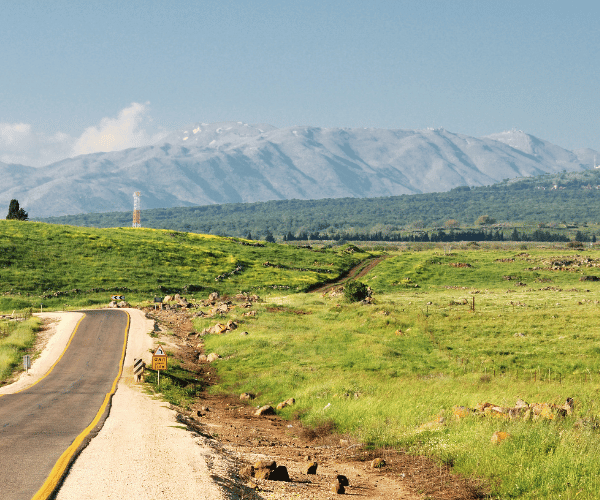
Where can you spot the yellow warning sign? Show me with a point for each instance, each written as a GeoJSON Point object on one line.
{"type": "Point", "coordinates": [159, 359]}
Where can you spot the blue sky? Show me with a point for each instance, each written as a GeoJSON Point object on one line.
{"type": "Point", "coordinates": [70, 70]}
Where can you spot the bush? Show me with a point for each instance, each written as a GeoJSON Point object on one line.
{"type": "Point", "coordinates": [355, 291]}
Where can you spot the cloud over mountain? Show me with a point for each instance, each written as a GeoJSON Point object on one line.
{"type": "Point", "coordinates": [21, 143]}
{"type": "Point", "coordinates": [115, 134]}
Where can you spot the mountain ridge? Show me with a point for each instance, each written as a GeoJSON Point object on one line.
{"type": "Point", "coordinates": [234, 162]}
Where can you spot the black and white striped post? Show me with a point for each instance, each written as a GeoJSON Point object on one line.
{"type": "Point", "coordinates": [138, 369]}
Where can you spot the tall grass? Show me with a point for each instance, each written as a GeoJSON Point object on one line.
{"type": "Point", "coordinates": [16, 338]}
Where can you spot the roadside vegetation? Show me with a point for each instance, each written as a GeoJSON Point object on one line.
{"type": "Point", "coordinates": [447, 328]}
{"type": "Point", "coordinates": [17, 336]}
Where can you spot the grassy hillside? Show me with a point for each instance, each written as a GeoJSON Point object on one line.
{"type": "Point", "coordinates": [554, 200]}
{"type": "Point", "coordinates": [58, 265]}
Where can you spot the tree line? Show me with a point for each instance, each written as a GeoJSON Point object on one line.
{"type": "Point", "coordinates": [559, 199]}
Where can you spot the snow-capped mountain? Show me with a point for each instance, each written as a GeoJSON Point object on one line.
{"type": "Point", "coordinates": [236, 162]}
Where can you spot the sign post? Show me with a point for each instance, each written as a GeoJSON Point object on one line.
{"type": "Point", "coordinates": [26, 363]}
{"type": "Point", "coordinates": [159, 361]}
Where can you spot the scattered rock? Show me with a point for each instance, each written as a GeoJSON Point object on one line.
{"type": "Point", "coordinates": [213, 356]}
{"type": "Point", "coordinates": [265, 464]}
{"type": "Point", "coordinates": [377, 463]}
{"type": "Point", "coordinates": [246, 396]}
{"type": "Point", "coordinates": [311, 468]}
{"type": "Point", "coordinates": [243, 334]}
{"type": "Point", "coordinates": [181, 301]}
{"type": "Point", "coordinates": [337, 487]}
{"type": "Point", "coordinates": [218, 329]}
{"type": "Point", "coordinates": [460, 412]}
{"type": "Point", "coordinates": [524, 411]}
{"type": "Point", "coordinates": [264, 469]}
{"type": "Point", "coordinates": [499, 436]}
{"type": "Point", "coordinates": [287, 402]}
{"type": "Point", "coordinates": [202, 358]}
{"type": "Point", "coordinates": [264, 410]}
{"type": "Point", "coordinates": [268, 469]}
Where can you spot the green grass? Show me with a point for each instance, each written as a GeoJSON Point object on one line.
{"type": "Point", "coordinates": [68, 267]}
{"type": "Point", "coordinates": [177, 386]}
{"type": "Point", "coordinates": [382, 371]}
{"type": "Point", "coordinates": [16, 338]}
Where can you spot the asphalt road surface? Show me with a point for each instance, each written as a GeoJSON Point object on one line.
{"type": "Point", "coordinates": [41, 423]}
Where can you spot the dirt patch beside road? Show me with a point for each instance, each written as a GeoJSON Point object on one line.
{"type": "Point", "coordinates": [232, 427]}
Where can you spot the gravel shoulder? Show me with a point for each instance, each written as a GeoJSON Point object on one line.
{"type": "Point", "coordinates": [141, 452]}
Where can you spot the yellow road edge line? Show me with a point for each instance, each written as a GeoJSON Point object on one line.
{"type": "Point", "coordinates": [63, 462]}
{"type": "Point", "coordinates": [55, 363]}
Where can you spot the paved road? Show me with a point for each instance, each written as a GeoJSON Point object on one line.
{"type": "Point", "coordinates": [39, 424]}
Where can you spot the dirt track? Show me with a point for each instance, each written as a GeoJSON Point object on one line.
{"type": "Point", "coordinates": [356, 272]}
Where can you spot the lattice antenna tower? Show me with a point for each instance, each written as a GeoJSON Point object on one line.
{"type": "Point", "coordinates": [136, 209]}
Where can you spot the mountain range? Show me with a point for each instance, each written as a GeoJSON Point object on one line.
{"type": "Point", "coordinates": [234, 162]}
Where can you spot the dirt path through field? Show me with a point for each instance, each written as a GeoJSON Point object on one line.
{"type": "Point", "coordinates": [356, 272]}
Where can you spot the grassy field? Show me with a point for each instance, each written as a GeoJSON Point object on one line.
{"type": "Point", "coordinates": [387, 372]}
{"type": "Point", "coordinates": [70, 267]}
{"type": "Point", "coordinates": [450, 328]}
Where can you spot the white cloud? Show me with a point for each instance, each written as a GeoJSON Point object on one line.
{"type": "Point", "coordinates": [19, 143]}
{"type": "Point", "coordinates": [115, 134]}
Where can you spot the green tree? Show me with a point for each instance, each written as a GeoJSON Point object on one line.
{"type": "Point", "coordinates": [269, 238]}
{"type": "Point", "coordinates": [15, 212]}
{"type": "Point", "coordinates": [482, 220]}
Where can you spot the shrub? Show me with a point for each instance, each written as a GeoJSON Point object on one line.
{"type": "Point", "coordinates": [355, 291]}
